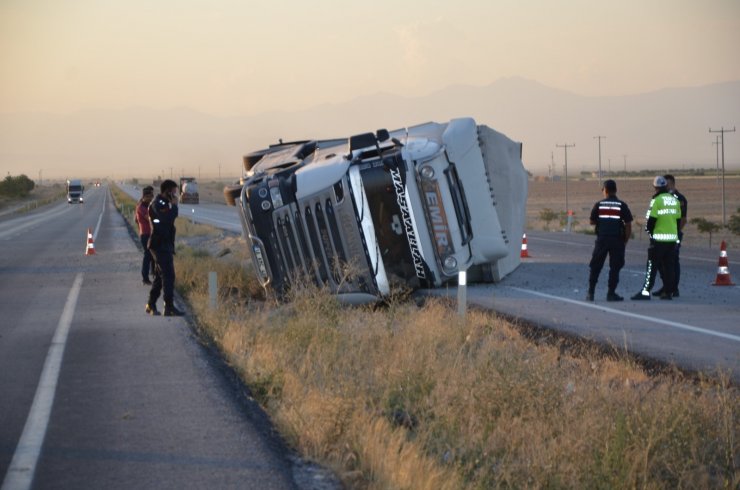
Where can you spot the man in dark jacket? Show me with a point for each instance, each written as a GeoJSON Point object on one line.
{"type": "Point", "coordinates": [162, 213]}
{"type": "Point", "coordinates": [613, 220]}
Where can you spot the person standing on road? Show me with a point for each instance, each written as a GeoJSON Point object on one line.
{"type": "Point", "coordinates": [613, 220]}
{"type": "Point", "coordinates": [162, 212]}
{"type": "Point", "coordinates": [671, 181]}
{"type": "Point", "coordinates": [145, 230]}
{"type": "Point", "coordinates": [662, 217]}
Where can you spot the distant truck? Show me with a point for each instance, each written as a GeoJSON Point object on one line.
{"type": "Point", "coordinates": [74, 191]}
{"type": "Point", "coordinates": [409, 208]}
{"type": "Point", "coordinates": [189, 191]}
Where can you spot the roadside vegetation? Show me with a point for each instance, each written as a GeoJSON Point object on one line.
{"type": "Point", "coordinates": [403, 395]}
{"type": "Point", "coordinates": [19, 194]}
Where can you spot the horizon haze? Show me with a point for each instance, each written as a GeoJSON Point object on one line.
{"type": "Point", "coordinates": [93, 88]}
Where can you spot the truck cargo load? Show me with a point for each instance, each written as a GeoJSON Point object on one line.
{"type": "Point", "coordinates": [407, 208]}
{"type": "Point", "coordinates": [189, 191]}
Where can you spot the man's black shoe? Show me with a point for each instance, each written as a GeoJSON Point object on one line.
{"type": "Point", "coordinates": [589, 296]}
{"type": "Point", "coordinates": [151, 310]}
{"type": "Point", "coordinates": [172, 311]}
{"type": "Point", "coordinates": [614, 297]}
{"type": "Point", "coordinates": [675, 293]}
{"type": "Point", "coordinates": [665, 295]}
{"type": "Point", "coordinates": [146, 282]}
{"type": "Point", "coordinates": [641, 295]}
{"type": "Point", "coordinates": [658, 292]}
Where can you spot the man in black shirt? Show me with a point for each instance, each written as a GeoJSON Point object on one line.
{"type": "Point", "coordinates": [162, 213]}
{"type": "Point", "coordinates": [613, 220]}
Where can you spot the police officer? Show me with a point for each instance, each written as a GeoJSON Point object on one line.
{"type": "Point", "coordinates": [684, 203]}
{"type": "Point", "coordinates": [662, 217]}
{"type": "Point", "coordinates": [613, 220]}
{"type": "Point", "coordinates": [162, 213]}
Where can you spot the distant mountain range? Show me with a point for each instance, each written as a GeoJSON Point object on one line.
{"type": "Point", "coordinates": [668, 128]}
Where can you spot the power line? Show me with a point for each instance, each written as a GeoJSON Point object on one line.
{"type": "Point", "coordinates": [722, 140]}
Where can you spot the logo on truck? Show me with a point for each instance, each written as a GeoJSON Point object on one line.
{"type": "Point", "coordinates": [437, 217]}
{"type": "Point", "coordinates": [408, 223]}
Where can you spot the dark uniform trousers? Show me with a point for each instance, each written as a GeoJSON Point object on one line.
{"type": "Point", "coordinates": [164, 278]}
{"type": "Point", "coordinates": [661, 257]}
{"type": "Point", "coordinates": [614, 246]}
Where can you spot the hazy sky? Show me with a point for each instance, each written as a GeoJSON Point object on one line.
{"type": "Point", "coordinates": [229, 57]}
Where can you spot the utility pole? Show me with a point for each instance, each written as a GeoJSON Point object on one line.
{"type": "Point", "coordinates": [567, 207]}
{"type": "Point", "coordinates": [716, 143]}
{"type": "Point", "coordinates": [599, 138]}
{"type": "Point", "coordinates": [551, 170]}
{"type": "Point", "coordinates": [722, 141]}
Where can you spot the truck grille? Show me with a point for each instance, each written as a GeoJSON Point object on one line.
{"type": "Point", "coordinates": [310, 242]}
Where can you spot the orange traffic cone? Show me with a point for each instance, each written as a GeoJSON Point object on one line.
{"type": "Point", "coordinates": [90, 250]}
{"type": "Point", "coordinates": [723, 271]}
{"type": "Point", "coordinates": [525, 253]}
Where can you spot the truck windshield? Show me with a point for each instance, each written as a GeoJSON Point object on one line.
{"type": "Point", "coordinates": [392, 224]}
{"type": "Point", "coordinates": [75, 188]}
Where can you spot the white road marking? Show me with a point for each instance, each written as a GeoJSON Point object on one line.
{"type": "Point", "coordinates": [669, 323]}
{"type": "Point", "coordinates": [23, 466]}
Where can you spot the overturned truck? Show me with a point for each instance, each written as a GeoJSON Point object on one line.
{"type": "Point", "coordinates": [361, 215]}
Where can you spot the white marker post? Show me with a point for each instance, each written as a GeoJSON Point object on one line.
{"type": "Point", "coordinates": [462, 294]}
{"type": "Point", "coordinates": [212, 289]}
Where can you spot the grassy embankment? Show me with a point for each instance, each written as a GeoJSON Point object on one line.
{"type": "Point", "coordinates": [412, 397]}
{"type": "Point", "coordinates": [39, 196]}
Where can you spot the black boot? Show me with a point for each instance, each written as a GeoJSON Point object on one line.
{"type": "Point", "coordinates": [170, 310]}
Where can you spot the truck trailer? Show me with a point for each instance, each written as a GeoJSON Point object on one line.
{"type": "Point", "coordinates": [408, 208]}
{"type": "Point", "coordinates": [189, 191]}
{"type": "Point", "coordinates": [74, 191]}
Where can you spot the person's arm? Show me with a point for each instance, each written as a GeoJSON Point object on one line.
{"type": "Point", "coordinates": [650, 226]}
{"type": "Point", "coordinates": [627, 232]}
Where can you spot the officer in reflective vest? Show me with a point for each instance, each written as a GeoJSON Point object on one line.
{"type": "Point", "coordinates": [662, 217]}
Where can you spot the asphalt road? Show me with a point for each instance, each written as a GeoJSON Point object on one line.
{"type": "Point", "coordinates": [699, 331]}
{"type": "Point", "coordinates": [96, 394]}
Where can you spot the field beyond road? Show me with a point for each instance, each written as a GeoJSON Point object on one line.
{"type": "Point", "coordinates": [704, 195]}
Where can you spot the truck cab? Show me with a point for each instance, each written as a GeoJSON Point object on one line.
{"type": "Point", "coordinates": [75, 190]}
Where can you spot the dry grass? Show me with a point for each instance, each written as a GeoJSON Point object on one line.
{"type": "Point", "coordinates": [411, 397]}
{"type": "Point", "coordinates": [39, 196]}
